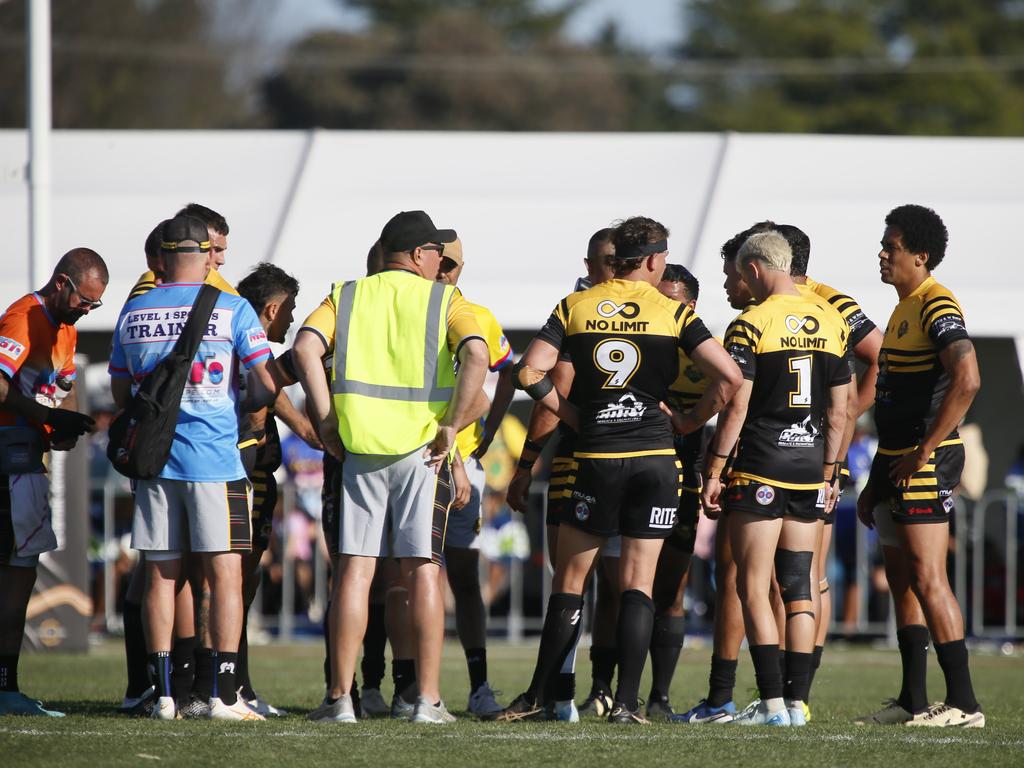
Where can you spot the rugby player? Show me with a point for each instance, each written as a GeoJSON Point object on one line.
{"type": "Point", "coordinates": [462, 540]}
{"type": "Point", "coordinates": [562, 688]}
{"type": "Point", "coordinates": [791, 351]}
{"type": "Point", "coordinates": [37, 413]}
{"type": "Point", "coordinates": [622, 336]}
{"type": "Point", "coordinates": [679, 284]}
{"type": "Point", "coordinates": [928, 378]}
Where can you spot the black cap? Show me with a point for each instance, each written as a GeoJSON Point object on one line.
{"type": "Point", "coordinates": [410, 229]}
{"type": "Point", "coordinates": [182, 229]}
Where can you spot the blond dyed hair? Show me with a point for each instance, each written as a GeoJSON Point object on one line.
{"type": "Point", "coordinates": [770, 247]}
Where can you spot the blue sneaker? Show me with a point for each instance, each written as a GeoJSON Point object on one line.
{"type": "Point", "coordinates": [17, 703]}
{"type": "Point", "coordinates": [705, 713]}
{"type": "Point", "coordinates": [756, 713]}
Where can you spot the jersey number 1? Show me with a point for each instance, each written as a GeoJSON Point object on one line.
{"type": "Point", "coordinates": [618, 358]}
{"type": "Point", "coordinates": [801, 397]}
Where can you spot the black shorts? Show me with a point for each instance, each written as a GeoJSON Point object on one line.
{"type": "Point", "coordinates": [636, 496]}
{"type": "Point", "coordinates": [264, 499]}
{"type": "Point", "coordinates": [330, 498]}
{"type": "Point", "coordinates": [563, 475]}
{"type": "Point", "coordinates": [684, 535]}
{"type": "Point", "coordinates": [7, 545]}
{"type": "Point", "coordinates": [929, 497]}
{"type": "Point", "coordinates": [774, 501]}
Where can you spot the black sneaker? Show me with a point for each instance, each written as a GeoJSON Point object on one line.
{"type": "Point", "coordinates": [620, 714]}
{"type": "Point", "coordinates": [141, 706]}
{"type": "Point", "coordinates": [659, 708]}
{"type": "Point", "coordinates": [522, 707]}
{"type": "Point", "coordinates": [597, 704]}
{"type": "Point", "coordinates": [194, 708]}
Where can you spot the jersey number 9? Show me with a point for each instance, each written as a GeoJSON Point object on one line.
{"type": "Point", "coordinates": [618, 358]}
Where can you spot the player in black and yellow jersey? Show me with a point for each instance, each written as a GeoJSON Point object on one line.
{"type": "Point", "coordinates": [789, 417]}
{"type": "Point", "coordinates": [677, 283]}
{"type": "Point", "coordinates": [928, 377]}
{"type": "Point", "coordinates": [542, 425]}
{"type": "Point", "coordinates": [623, 337]}
{"type": "Point", "coordinates": [863, 343]}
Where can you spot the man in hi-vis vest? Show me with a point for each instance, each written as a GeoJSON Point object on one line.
{"type": "Point", "coordinates": [391, 413]}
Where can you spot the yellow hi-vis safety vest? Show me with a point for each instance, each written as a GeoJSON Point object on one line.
{"type": "Point", "coordinates": [393, 371]}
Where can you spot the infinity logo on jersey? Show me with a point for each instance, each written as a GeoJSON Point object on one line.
{"type": "Point", "coordinates": [764, 495]}
{"type": "Point", "coordinates": [807, 324]}
{"type": "Point", "coordinates": [11, 348]}
{"type": "Point", "coordinates": [663, 517]}
{"type": "Point", "coordinates": [608, 308]}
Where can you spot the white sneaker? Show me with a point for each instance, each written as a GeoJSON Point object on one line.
{"type": "Point", "coordinates": [426, 712]}
{"type": "Point", "coordinates": [341, 711]}
{"type": "Point", "coordinates": [482, 702]}
{"type": "Point", "coordinates": [373, 703]}
{"type": "Point", "coordinates": [165, 709]}
{"type": "Point", "coordinates": [795, 708]}
{"type": "Point", "coordinates": [237, 711]}
{"type": "Point", "coordinates": [566, 712]}
{"type": "Point", "coordinates": [892, 713]}
{"type": "Point", "coordinates": [756, 713]}
{"type": "Point", "coordinates": [946, 716]}
{"type": "Point", "coordinates": [261, 707]}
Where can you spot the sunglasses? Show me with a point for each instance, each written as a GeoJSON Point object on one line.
{"type": "Point", "coordinates": [84, 303]}
{"type": "Point", "coordinates": [432, 247]}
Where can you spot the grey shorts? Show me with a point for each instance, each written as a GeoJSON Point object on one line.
{"type": "Point", "coordinates": [28, 514]}
{"type": "Point", "coordinates": [464, 524]}
{"type": "Point", "coordinates": [393, 506]}
{"type": "Point", "coordinates": [178, 515]}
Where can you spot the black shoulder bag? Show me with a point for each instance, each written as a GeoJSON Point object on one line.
{"type": "Point", "coordinates": [141, 436]}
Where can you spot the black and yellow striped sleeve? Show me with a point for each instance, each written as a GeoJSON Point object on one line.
{"type": "Point", "coordinates": [145, 284]}
{"type": "Point", "coordinates": [741, 342]}
{"type": "Point", "coordinates": [691, 329]}
{"type": "Point", "coordinates": [943, 320]}
{"type": "Point", "coordinates": [858, 323]}
{"type": "Point", "coordinates": [553, 331]}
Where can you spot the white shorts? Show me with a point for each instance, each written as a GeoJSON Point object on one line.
{"type": "Point", "coordinates": [178, 515]}
{"type": "Point", "coordinates": [464, 524]}
{"type": "Point", "coordinates": [393, 506]}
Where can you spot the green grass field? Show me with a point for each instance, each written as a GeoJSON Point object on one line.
{"type": "Point", "coordinates": [850, 682]}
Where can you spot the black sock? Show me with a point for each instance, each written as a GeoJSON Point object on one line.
{"type": "Point", "coordinates": [327, 648]}
{"type": "Point", "coordinates": [953, 660]}
{"type": "Point", "coordinates": [564, 614]}
{"type": "Point", "coordinates": [202, 686]}
{"type": "Point", "coordinates": [374, 640]}
{"type": "Point", "coordinates": [798, 675]}
{"type": "Point", "coordinates": [766, 670]}
{"type": "Point", "coordinates": [160, 668]}
{"type": "Point", "coordinates": [476, 660]}
{"type": "Point", "coordinates": [721, 681]}
{"type": "Point", "coordinates": [602, 669]}
{"type": "Point", "coordinates": [9, 672]}
{"type": "Point", "coordinates": [183, 667]}
{"type": "Point", "coordinates": [225, 665]}
{"type": "Point", "coordinates": [136, 659]}
{"type": "Point", "coordinates": [666, 645]}
{"type": "Point", "coordinates": [913, 643]}
{"type": "Point", "coordinates": [403, 674]}
{"type": "Point", "coordinates": [242, 668]}
{"type": "Point", "coordinates": [633, 638]}
{"type": "Point", "coordinates": [564, 688]}
{"type": "Point", "coordinates": [815, 663]}
{"type": "Point", "coordinates": [782, 662]}
{"type": "Point", "coordinates": [357, 703]}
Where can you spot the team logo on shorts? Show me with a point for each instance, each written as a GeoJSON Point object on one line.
{"type": "Point", "coordinates": [663, 517]}
{"type": "Point", "coordinates": [765, 495]}
{"type": "Point", "coordinates": [582, 511]}
{"type": "Point", "coordinates": [948, 504]}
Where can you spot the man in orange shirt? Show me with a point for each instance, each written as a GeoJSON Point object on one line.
{"type": "Point", "coordinates": [37, 375]}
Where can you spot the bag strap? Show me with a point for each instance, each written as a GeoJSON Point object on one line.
{"type": "Point", "coordinates": [195, 327]}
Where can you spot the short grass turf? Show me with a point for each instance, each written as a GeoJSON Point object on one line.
{"type": "Point", "coordinates": [850, 682]}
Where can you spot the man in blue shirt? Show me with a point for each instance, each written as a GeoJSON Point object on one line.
{"type": "Point", "coordinates": [201, 498]}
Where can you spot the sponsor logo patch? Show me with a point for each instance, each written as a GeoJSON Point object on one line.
{"type": "Point", "coordinates": [764, 495]}
{"type": "Point", "coordinates": [663, 517]}
{"type": "Point", "coordinates": [11, 348]}
{"type": "Point", "coordinates": [919, 510]}
{"type": "Point", "coordinates": [256, 336]}
{"type": "Point", "coordinates": [807, 324]}
{"type": "Point", "coordinates": [799, 435]}
{"type": "Point", "coordinates": [582, 511]}
{"type": "Point", "coordinates": [627, 409]}
{"type": "Point", "coordinates": [948, 504]}
{"type": "Point", "coordinates": [608, 308]}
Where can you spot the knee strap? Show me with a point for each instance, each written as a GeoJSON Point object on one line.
{"type": "Point", "coordinates": [793, 572]}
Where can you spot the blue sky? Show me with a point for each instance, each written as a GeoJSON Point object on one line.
{"type": "Point", "coordinates": [651, 24]}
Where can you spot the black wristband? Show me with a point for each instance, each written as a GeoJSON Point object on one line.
{"type": "Point", "coordinates": [526, 463]}
{"type": "Point", "coordinates": [530, 445]}
{"type": "Point", "coordinates": [539, 390]}
{"type": "Point", "coordinates": [719, 455]}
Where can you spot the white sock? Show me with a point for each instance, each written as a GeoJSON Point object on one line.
{"type": "Point", "coordinates": [775, 705]}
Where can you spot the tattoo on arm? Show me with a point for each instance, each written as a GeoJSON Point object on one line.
{"type": "Point", "coordinates": [960, 349]}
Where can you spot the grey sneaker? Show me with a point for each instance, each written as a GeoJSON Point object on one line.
{"type": "Point", "coordinates": [425, 712]}
{"type": "Point", "coordinates": [373, 703]}
{"type": "Point", "coordinates": [400, 708]}
{"type": "Point", "coordinates": [659, 709]}
{"type": "Point", "coordinates": [341, 711]}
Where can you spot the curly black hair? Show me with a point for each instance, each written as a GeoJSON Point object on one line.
{"type": "Point", "coordinates": [265, 282]}
{"type": "Point", "coordinates": [800, 245]}
{"type": "Point", "coordinates": [677, 273]}
{"type": "Point", "coordinates": [922, 231]}
{"type": "Point", "coordinates": [636, 230]}
{"type": "Point", "coordinates": [732, 246]}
